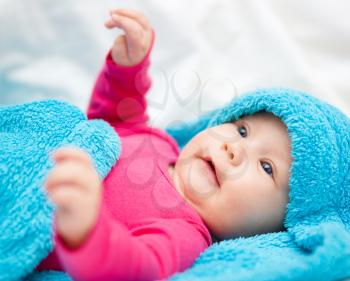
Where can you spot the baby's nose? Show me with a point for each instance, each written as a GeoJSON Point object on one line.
{"type": "Point", "coordinates": [233, 153]}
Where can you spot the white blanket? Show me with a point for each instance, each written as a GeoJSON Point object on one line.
{"type": "Point", "coordinates": [206, 51]}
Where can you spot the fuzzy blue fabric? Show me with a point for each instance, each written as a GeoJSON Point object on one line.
{"type": "Point", "coordinates": [28, 133]}
{"type": "Point", "coordinates": [316, 243]}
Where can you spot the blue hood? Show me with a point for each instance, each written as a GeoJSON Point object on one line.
{"type": "Point", "coordinates": [316, 243]}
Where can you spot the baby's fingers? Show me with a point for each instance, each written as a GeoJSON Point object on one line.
{"type": "Point", "coordinates": [135, 15]}
{"type": "Point", "coordinates": [133, 30]}
{"type": "Point", "coordinates": [72, 153]}
{"type": "Point", "coordinates": [65, 197]}
{"type": "Point", "coordinates": [69, 172]}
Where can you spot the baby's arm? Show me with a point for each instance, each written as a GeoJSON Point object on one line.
{"type": "Point", "coordinates": [74, 187]}
{"type": "Point", "coordinates": [154, 250]}
{"type": "Point", "coordinates": [119, 93]}
{"type": "Point", "coordinates": [93, 245]}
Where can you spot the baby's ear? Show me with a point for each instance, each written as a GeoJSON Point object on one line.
{"type": "Point", "coordinates": [98, 139]}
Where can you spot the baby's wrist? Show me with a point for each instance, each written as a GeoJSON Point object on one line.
{"type": "Point", "coordinates": [73, 241]}
{"type": "Point", "coordinates": [75, 236]}
{"type": "Point", "coordinates": [111, 57]}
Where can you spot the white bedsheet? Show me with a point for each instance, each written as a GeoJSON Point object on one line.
{"type": "Point", "coordinates": [206, 51]}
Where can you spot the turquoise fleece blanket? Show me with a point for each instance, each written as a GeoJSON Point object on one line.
{"type": "Point", "coordinates": [316, 243]}
{"type": "Point", "coordinates": [28, 133]}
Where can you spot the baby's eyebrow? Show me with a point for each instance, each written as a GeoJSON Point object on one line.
{"type": "Point", "coordinates": [278, 154]}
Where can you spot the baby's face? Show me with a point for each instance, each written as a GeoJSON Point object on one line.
{"type": "Point", "coordinates": [236, 175]}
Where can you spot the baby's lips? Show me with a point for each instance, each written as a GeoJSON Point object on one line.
{"type": "Point", "coordinates": [214, 168]}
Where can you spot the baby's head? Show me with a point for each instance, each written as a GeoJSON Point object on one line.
{"type": "Point", "coordinates": [236, 175]}
{"type": "Point", "coordinates": [306, 140]}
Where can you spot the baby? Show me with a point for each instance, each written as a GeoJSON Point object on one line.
{"type": "Point", "coordinates": [236, 175]}
{"type": "Point", "coordinates": [160, 207]}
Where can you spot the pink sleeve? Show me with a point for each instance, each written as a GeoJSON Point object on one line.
{"type": "Point", "coordinates": [118, 96]}
{"type": "Point", "coordinates": [155, 250]}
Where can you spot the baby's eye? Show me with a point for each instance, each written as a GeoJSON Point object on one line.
{"type": "Point", "coordinates": [267, 168]}
{"type": "Point", "coordinates": [242, 131]}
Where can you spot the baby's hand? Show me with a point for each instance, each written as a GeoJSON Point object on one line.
{"type": "Point", "coordinates": [75, 188]}
{"type": "Point", "coordinates": [130, 49]}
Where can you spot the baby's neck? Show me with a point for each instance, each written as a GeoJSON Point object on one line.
{"type": "Point", "coordinates": [175, 180]}
{"type": "Point", "coordinates": [171, 171]}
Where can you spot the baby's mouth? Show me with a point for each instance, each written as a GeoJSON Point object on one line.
{"type": "Point", "coordinates": [213, 169]}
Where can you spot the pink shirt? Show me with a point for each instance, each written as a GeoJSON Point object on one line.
{"type": "Point", "coordinates": [145, 230]}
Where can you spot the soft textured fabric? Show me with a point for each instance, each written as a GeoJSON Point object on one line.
{"type": "Point", "coordinates": [145, 230]}
{"type": "Point", "coordinates": [28, 133]}
{"type": "Point", "coordinates": [316, 243]}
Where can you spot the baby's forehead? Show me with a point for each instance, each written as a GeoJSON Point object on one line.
{"type": "Point", "coordinates": [263, 117]}
{"type": "Point", "coordinates": [260, 114]}
{"type": "Point", "coordinates": [270, 130]}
